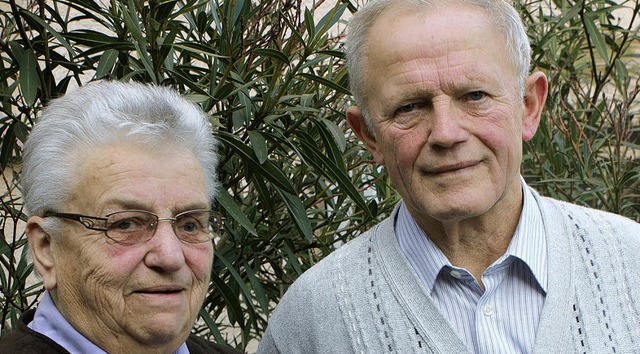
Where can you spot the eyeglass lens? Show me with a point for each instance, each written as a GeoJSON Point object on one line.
{"type": "Point", "coordinates": [140, 226]}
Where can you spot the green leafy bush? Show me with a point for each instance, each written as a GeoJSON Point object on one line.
{"type": "Point", "coordinates": [587, 149]}
{"type": "Point", "coordinates": [270, 75]}
{"type": "Point", "coordinates": [296, 182]}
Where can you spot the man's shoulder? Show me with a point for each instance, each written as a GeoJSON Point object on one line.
{"type": "Point", "coordinates": [348, 258]}
{"type": "Point", "coordinates": [309, 317]}
{"type": "Point", "coordinates": [316, 290]}
{"type": "Point", "coordinates": [24, 340]}
{"type": "Point", "coordinates": [199, 345]}
{"type": "Point", "coordinates": [589, 219]}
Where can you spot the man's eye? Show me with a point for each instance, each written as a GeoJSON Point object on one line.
{"type": "Point", "coordinates": [407, 108]}
{"type": "Point", "coordinates": [475, 95]}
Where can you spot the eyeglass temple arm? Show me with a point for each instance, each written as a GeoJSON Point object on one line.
{"type": "Point", "coordinates": [90, 222]}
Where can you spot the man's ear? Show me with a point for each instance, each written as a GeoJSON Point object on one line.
{"type": "Point", "coordinates": [535, 95]}
{"type": "Point", "coordinates": [358, 124]}
{"type": "Point", "coordinates": [40, 245]}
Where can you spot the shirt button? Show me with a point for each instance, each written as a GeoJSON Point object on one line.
{"type": "Point", "coordinates": [487, 310]}
{"type": "Point", "coordinates": [456, 274]}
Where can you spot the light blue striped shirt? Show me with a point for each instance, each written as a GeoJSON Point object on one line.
{"type": "Point", "coordinates": [504, 317]}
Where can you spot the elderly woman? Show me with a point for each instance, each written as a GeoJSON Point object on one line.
{"type": "Point", "coordinates": [119, 180]}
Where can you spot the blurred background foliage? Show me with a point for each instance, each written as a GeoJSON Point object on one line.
{"type": "Point", "coordinates": [297, 184]}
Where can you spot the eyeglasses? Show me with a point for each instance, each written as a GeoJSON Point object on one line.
{"type": "Point", "coordinates": [137, 226]}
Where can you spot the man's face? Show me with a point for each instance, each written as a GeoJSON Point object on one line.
{"type": "Point", "coordinates": [446, 112]}
{"type": "Point", "coordinates": [147, 293]}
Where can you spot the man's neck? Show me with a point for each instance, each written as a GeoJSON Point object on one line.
{"type": "Point", "coordinates": [476, 243]}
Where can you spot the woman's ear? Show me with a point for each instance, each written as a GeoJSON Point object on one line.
{"type": "Point", "coordinates": [41, 251]}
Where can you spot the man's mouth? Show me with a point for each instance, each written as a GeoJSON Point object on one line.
{"type": "Point", "coordinates": [448, 168]}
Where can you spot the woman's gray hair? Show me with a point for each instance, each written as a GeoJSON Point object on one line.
{"type": "Point", "coordinates": [502, 13]}
{"type": "Point", "coordinates": [106, 113]}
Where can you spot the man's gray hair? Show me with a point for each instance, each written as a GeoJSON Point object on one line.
{"type": "Point", "coordinates": [109, 113]}
{"type": "Point", "coordinates": [502, 13]}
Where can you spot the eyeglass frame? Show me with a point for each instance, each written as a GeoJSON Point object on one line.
{"type": "Point", "coordinates": [90, 222]}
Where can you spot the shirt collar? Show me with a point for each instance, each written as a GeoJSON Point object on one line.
{"type": "Point", "coordinates": [422, 253]}
{"type": "Point", "coordinates": [50, 322]}
{"type": "Point", "coordinates": [528, 244]}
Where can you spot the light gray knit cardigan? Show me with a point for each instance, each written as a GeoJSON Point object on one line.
{"type": "Point", "coordinates": [366, 298]}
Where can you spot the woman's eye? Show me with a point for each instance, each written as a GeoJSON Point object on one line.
{"type": "Point", "coordinates": [190, 227]}
{"type": "Point", "coordinates": [126, 224]}
{"type": "Point", "coordinates": [475, 95]}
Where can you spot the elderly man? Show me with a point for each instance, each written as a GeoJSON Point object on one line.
{"type": "Point", "coordinates": [472, 260]}
{"type": "Point", "coordinates": [119, 180]}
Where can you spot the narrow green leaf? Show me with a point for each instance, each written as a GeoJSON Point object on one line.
{"type": "Point", "coordinates": [132, 23]}
{"type": "Point", "coordinates": [7, 146]}
{"type": "Point", "coordinates": [621, 77]}
{"type": "Point", "coordinates": [237, 10]}
{"type": "Point", "coordinates": [29, 77]}
{"type": "Point", "coordinates": [231, 207]}
{"type": "Point", "coordinates": [301, 109]}
{"type": "Point", "coordinates": [3, 278]}
{"type": "Point", "coordinates": [169, 60]}
{"type": "Point", "coordinates": [106, 63]}
{"type": "Point", "coordinates": [331, 18]}
{"type": "Point", "coordinates": [332, 149]}
{"type": "Point", "coordinates": [267, 169]}
{"type": "Point", "coordinates": [259, 145]}
{"type": "Point", "coordinates": [272, 53]}
{"type": "Point", "coordinates": [261, 296]}
{"type": "Point", "coordinates": [211, 325]}
{"type": "Point", "coordinates": [268, 202]}
{"type": "Point", "coordinates": [166, 46]}
{"type": "Point", "coordinates": [24, 267]}
{"type": "Point", "coordinates": [5, 250]}
{"type": "Point", "coordinates": [164, 10]}
{"type": "Point", "coordinates": [214, 15]}
{"type": "Point", "coordinates": [143, 53]}
{"type": "Point", "coordinates": [293, 260]}
{"type": "Point", "coordinates": [234, 310]}
{"type": "Point", "coordinates": [52, 31]}
{"type": "Point", "coordinates": [596, 37]}
{"type": "Point", "coordinates": [309, 24]}
{"type": "Point", "coordinates": [298, 213]}
{"type": "Point", "coordinates": [236, 276]}
{"type": "Point", "coordinates": [333, 53]}
{"type": "Point", "coordinates": [329, 169]}
{"type": "Point", "coordinates": [21, 130]}
{"type": "Point", "coordinates": [198, 49]}
{"type": "Point", "coordinates": [17, 50]}
{"type": "Point", "coordinates": [294, 32]}
{"type": "Point", "coordinates": [326, 82]}
{"type": "Point", "coordinates": [338, 135]}
{"type": "Point", "coordinates": [568, 15]}
{"type": "Point", "coordinates": [93, 38]}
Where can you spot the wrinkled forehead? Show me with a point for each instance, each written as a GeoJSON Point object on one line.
{"type": "Point", "coordinates": [411, 26]}
{"type": "Point", "coordinates": [154, 179]}
{"type": "Point", "coordinates": [459, 40]}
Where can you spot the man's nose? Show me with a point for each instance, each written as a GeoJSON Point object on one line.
{"type": "Point", "coordinates": [445, 128]}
